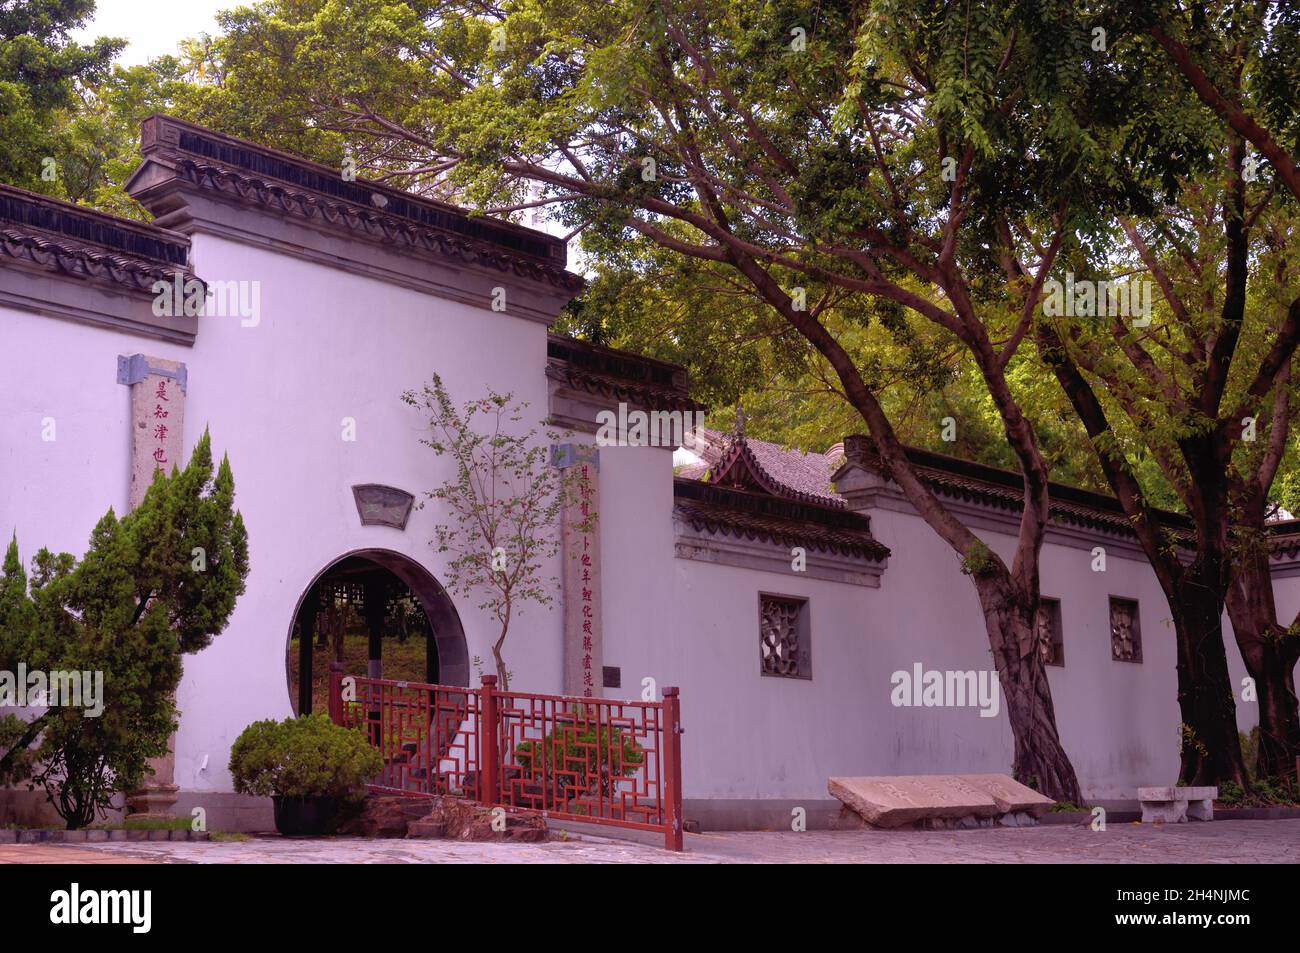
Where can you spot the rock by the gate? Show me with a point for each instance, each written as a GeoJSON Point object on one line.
{"type": "Point", "coordinates": [484, 824]}
{"type": "Point", "coordinates": [436, 817]}
{"type": "Point", "coordinates": [1010, 795]}
{"type": "Point", "coordinates": [386, 816]}
{"type": "Point", "coordinates": [893, 801]}
{"type": "Point", "coordinates": [427, 828]}
{"type": "Point", "coordinates": [460, 819]}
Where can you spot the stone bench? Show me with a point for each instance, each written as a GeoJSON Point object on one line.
{"type": "Point", "coordinates": [1174, 805]}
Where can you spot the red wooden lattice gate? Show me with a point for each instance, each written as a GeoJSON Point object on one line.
{"type": "Point", "coordinates": [593, 760]}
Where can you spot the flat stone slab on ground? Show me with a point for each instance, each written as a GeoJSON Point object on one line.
{"type": "Point", "coordinates": [892, 801]}
{"type": "Point", "coordinates": [1011, 796]}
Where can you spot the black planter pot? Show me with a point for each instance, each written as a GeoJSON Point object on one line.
{"type": "Point", "coordinates": [307, 816]}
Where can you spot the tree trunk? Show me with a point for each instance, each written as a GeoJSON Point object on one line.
{"type": "Point", "coordinates": [338, 634]}
{"type": "Point", "coordinates": [1211, 746]}
{"type": "Point", "coordinates": [1270, 656]}
{"type": "Point", "coordinates": [1009, 601]}
{"type": "Point", "coordinates": [503, 676]}
{"type": "Point", "coordinates": [1279, 712]}
{"type": "Point", "coordinates": [1039, 759]}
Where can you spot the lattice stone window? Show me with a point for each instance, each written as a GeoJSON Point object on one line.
{"type": "Point", "coordinates": [1051, 640]}
{"type": "Point", "coordinates": [784, 636]}
{"type": "Point", "coordinates": [1125, 631]}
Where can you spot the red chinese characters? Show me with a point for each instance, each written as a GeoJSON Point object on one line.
{"type": "Point", "coordinates": [584, 496]}
{"type": "Point", "coordinates": [160, 431]}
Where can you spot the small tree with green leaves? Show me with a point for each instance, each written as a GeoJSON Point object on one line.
{"type": "Point", "coordinates": [503, 504]}
{"type": "Point", "coordinates": [580, 755]}
{"type": "Point", "coordinates": [157, 583]}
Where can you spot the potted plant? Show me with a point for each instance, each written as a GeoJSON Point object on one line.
{"type": "Point", "coordinates": [309, 766]}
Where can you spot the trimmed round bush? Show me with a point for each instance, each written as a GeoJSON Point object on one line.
{"type": "Point", "coordinates": [303, 757]}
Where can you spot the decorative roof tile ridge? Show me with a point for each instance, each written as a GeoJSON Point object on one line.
{"type": "Point", "coordinates": [86, 262]}
{"type": "Point", "coordinates": [77, 225]}
{"type": "Point", "coordinates": [373, 224]}
{"type": "Point", "coordinates": [751, 515]}
{"type": "Point", "coordinates": [738, 453]}
{"type": "Point", "coordinates": [609, 372]}
{"type": "Point", "coordinates": [760, 502]}
{"type": "Point", "coordinates": [1003, 488]}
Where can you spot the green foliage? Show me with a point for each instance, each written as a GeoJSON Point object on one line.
{"type": "Point", "coordinates": [1250, 750]}
{"type": "Point", "coordinates": [1058, 121]}
{"type": "Point", "coordinates": [304, 756]}
{"type": "Point", "coordinates": [1188, 741]}
{"type": "Point", "coordinates": [1265, 792]}
{"type": "Point", "coordinates": [504, 501]}
{"type": "Point", "coordinates": [129, 608]}
{"type": "Point", "coordinates": [577, 759]}
{"type": "Point", "coordinates": [1065, 807]}
{"type": "Point", "coordinates": [98, 143]}
{"type": "Point", "coordinates": [158, 824]}
{"type": "Point", "coordinates": [41, 72]}
{"type": "Point", "coordinates": [979, 561]}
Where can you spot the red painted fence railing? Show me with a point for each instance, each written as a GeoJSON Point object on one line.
{"type": "Point", "coordinates": [594, 760]}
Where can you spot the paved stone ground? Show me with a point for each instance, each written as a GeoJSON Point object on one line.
{"type": "Point", "coordinates": [54, 854]}
{"type": "Point", "coordinates": [1220, 842]}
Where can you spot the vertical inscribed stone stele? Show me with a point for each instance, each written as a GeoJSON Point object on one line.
{"type": "Point", "coordinates": [158, 389]}
{"type": "Point", "coordinates": [580, 554]}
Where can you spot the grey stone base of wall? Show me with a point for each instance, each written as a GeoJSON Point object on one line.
{"type": "Point", "coordinates": [94, 836]}
{"type": "Point", "coordinates": [22, 808]}
{"type": "Point", "coordinates": [227, 811]}
{"type": "Point", "coordinates": [224, 811]}
{"type": "Point", "coordinates": [767, 814]}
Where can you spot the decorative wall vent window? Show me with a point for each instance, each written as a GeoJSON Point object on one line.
{"type": "Point", "coordinates": [1051, 640]}
{"type": "Point", "coordinates": [784, 636]}
{"type": "Point", "coordinates": [382, 505]}
{"type": "Point", "coordinates": [1125, 632]}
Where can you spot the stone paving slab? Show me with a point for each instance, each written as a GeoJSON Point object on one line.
{"type": "Point", "coordinates": [59, 854]}
{"type": "Point", "coordinates": [1223, 842]}
{"type": "Point", "coordinates": [890, 801]}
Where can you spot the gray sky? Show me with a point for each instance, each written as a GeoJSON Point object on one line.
{"type": "Point", "coordinates": [153, 27]}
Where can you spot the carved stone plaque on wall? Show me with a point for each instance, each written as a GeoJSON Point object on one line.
{"type": "Point", "coordinates": [158, 389]}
